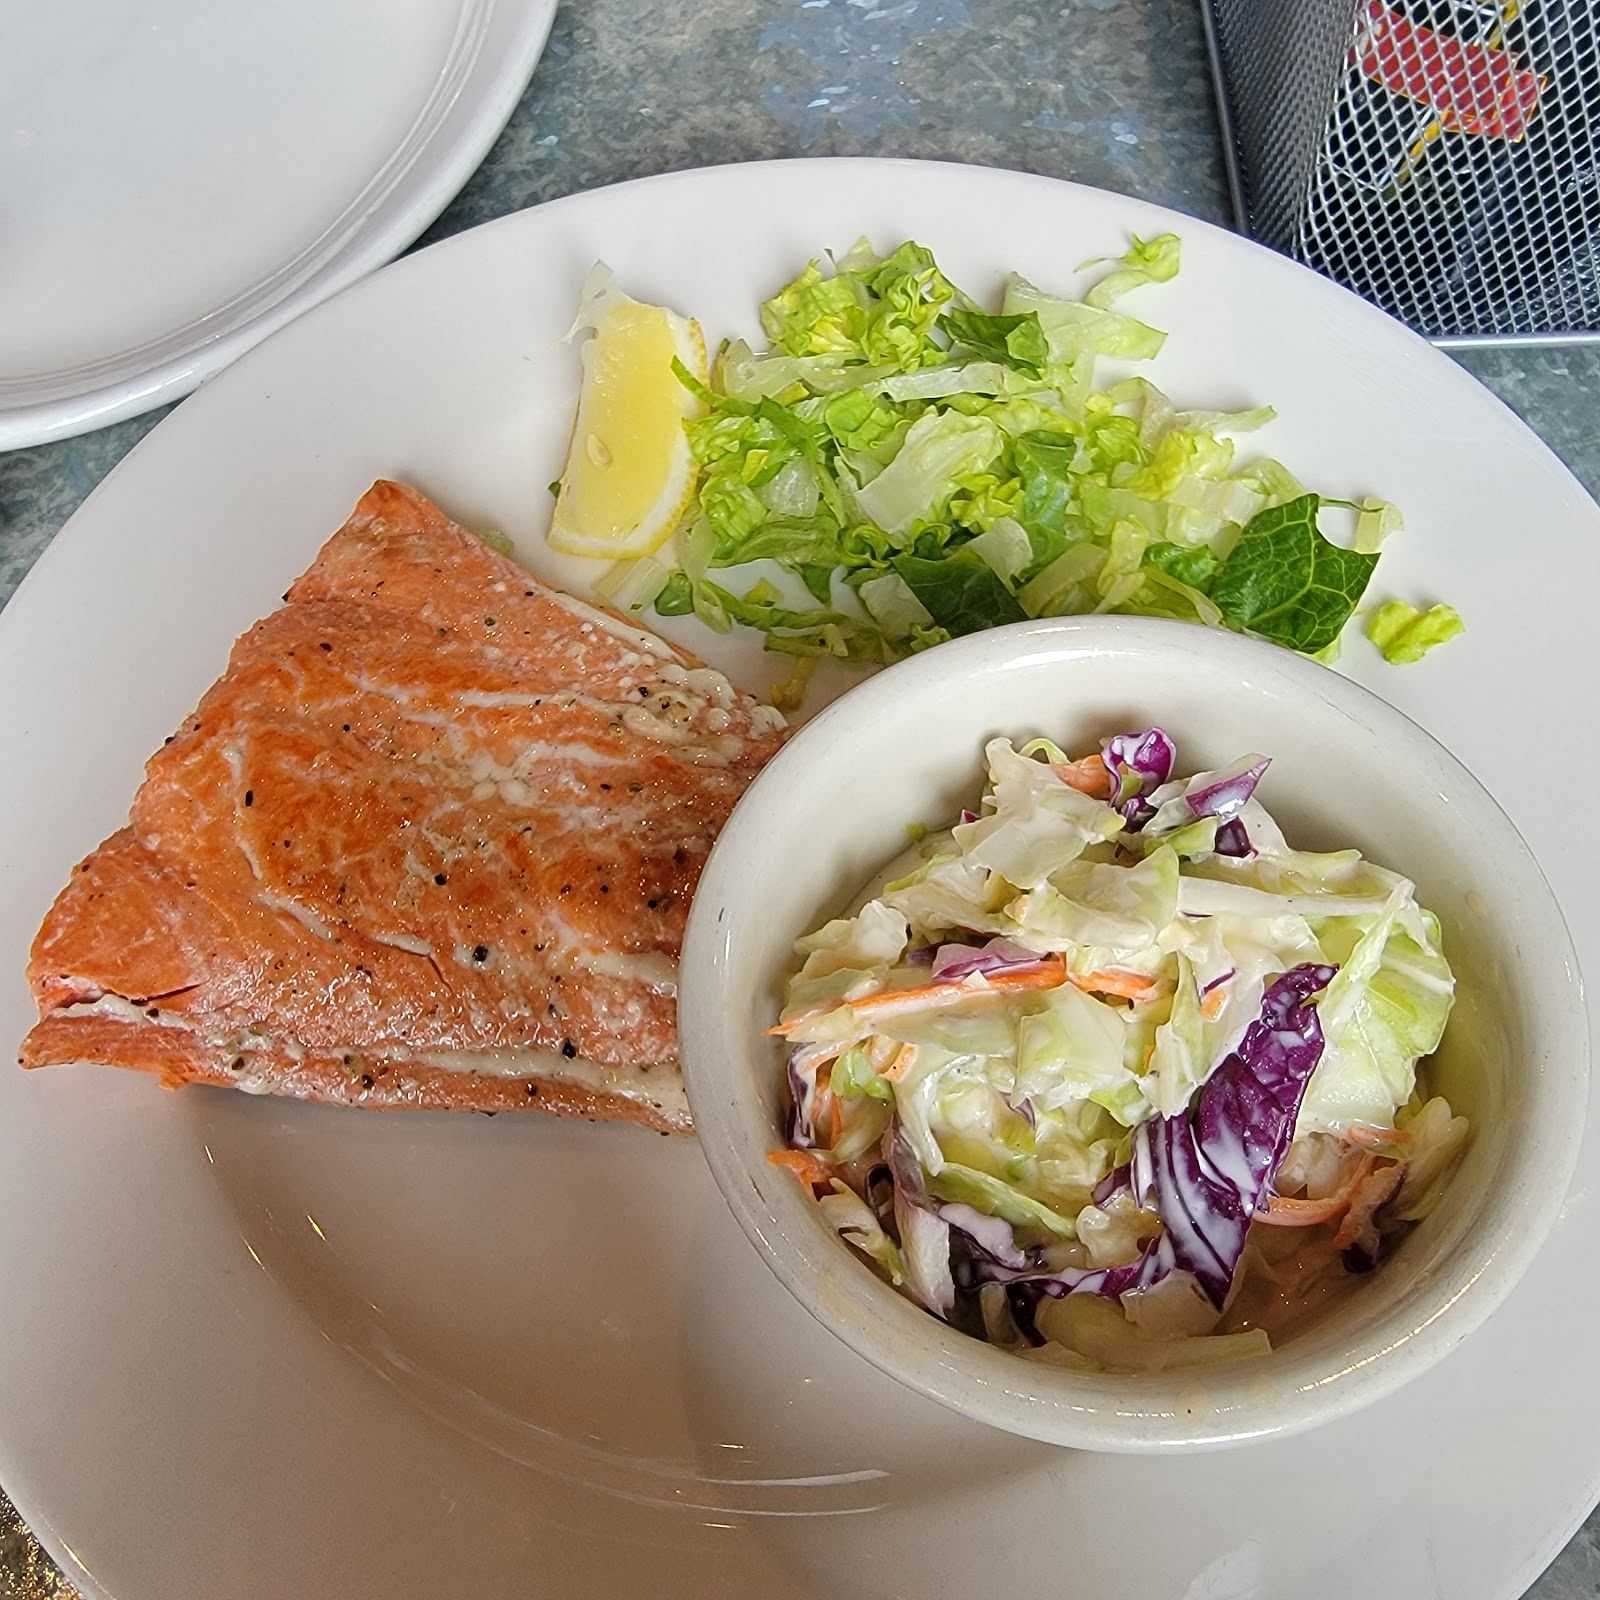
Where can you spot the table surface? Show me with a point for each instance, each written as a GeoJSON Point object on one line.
{"type": "Point", "coordinates": [1108, 92]}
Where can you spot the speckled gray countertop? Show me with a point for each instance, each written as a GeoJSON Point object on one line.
{"type": "Point", "coordinates": [1108, 92]}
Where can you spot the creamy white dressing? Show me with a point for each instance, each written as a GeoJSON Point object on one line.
{"type": "Point", "coordinates": [385, 691]}
{"type": "Point", "coordinates": [637, 637]}
{"type": "Point", "coordinates": [403, 941]}
{"type": "Point", "coordinates": [706, 681]}
{"type": "Point", "coordinates": [304, 915]}
{"type": "Point", "coordinates": [659, 1087]}
{"type": "Point", "coordinates": [659, 724]}
{"type": "Point", "coordinates": [113, 1005]}
{"type": "Point", "coordinates": [489, 698]}
{"type": "Point", "coordinates": [656, 972]}
{"type": "Point", "coordinates": [650, 969]}
{"type": "Point", "coordinates": [717, 750]}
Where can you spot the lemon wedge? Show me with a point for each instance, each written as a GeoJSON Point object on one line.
{"type": "Point", "coordinates": [630, 475]}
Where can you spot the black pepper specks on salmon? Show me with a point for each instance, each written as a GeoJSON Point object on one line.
{"type": "Point", "coordinates": [366, 1080]}
{"type": "Point", "coordinates": [440, 879]}
{"type": "Point", "coordinates": [533, 1091]}
{"type": "Point", "coordinates": [324, 645]}
{"type": "Point", "coordinates": [480, 953]}
{"type": "Point", "coordinates": [249, 797]}
{"type": "Point", "coordinates": [568, 1049]}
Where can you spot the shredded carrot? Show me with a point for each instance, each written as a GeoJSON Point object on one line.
{"type": "Point", "coordinates": [805, 1166]}
{"type": "Point", "coordinates": [1212, 1003]}
{"type": "Point", "coordinates": [814, 1057]}
{"type": "Point", "coordinates": [1088, 776]}
{"type": "Point", "coordinates": [1375, 1191]}
{"type": "Point", "coordinates": [903, 1060]}
{"type": "Point", "coordinates": [1126, 985]}
{"type": "Point", "coordinates": [834, 1112]}
{"type": "Point", "coordinates": [881, 1050]}
{"type": "Point", "coordinates": [1049, 974]}
{"type": "Point", "coordinates": [1282, 1213]}
{"type": "Point", "coordinates": [1367, 1137]}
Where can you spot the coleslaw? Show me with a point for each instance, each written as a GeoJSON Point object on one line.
{"type": "Point", "coordinates": [1110, 1074]}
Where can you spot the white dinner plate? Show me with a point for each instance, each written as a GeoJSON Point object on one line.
{"type": "Point", "coordinates": [178, 179]}
{"type": "Point", "coordinates": [257, 1349]}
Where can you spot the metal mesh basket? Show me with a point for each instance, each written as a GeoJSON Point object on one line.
{"type": "Point", "coordinates": [1440, 157]}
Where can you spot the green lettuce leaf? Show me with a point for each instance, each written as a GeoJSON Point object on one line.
{"type": "Point", "coordinates": [1403, 633]}
{"type": "Point", "coordinates": [1015, 341]}
{"type": "Point", "coordinates": [1146, 261]}
{"type": "Point", "coordinates": [1198, 568]}
{"type": "Point", "coordinates": [940, 448]}
{"type": "Point", "coordinates": [961, 591]}
{"type": "Point", "coordinates": [817, 315]}
{"type": "Point", "coordinates": [1074, 329]}
{"type": "Point", "coordinates": [1285, 582]}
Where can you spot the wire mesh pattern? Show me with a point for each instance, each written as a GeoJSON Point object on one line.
{"type": "Point", "coordinates": [1440, 157]}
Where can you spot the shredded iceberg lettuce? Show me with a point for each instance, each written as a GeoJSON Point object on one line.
{"type": "Point", "coordinates": [922, 467]}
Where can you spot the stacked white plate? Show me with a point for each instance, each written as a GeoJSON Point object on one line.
{"type": "Point", "coordinates": [178, 179]}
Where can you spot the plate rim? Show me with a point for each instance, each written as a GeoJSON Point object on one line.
{"type": "Point", "coordinates": [1577, 1510]}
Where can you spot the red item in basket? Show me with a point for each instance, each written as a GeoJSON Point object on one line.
{"type": "Point", "coordinates": [1474, 88]}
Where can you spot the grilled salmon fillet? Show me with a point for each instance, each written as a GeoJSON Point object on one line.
{"type": "Point", "coordinates": [429, 841]}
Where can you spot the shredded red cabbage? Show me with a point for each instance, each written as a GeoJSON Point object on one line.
{"type": "Point", "coordinates": [1138, 763]}
{"type": "Point", "coordinates": [1233, 840]}
{"type": "Point", "coordinates": [993, 1238]}
{"type": "Point", "coordinates": [1207, 1170]}
{"type": "Point", "coordinates": [1227, 792]}
{"type": "Point", "coordinates": [802, 1105]}
{"type": "Point", "coordinates": [952, 962]}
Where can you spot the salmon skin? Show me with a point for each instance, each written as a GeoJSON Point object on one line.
{"type": "Point", "coordinates": [429, 841]}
